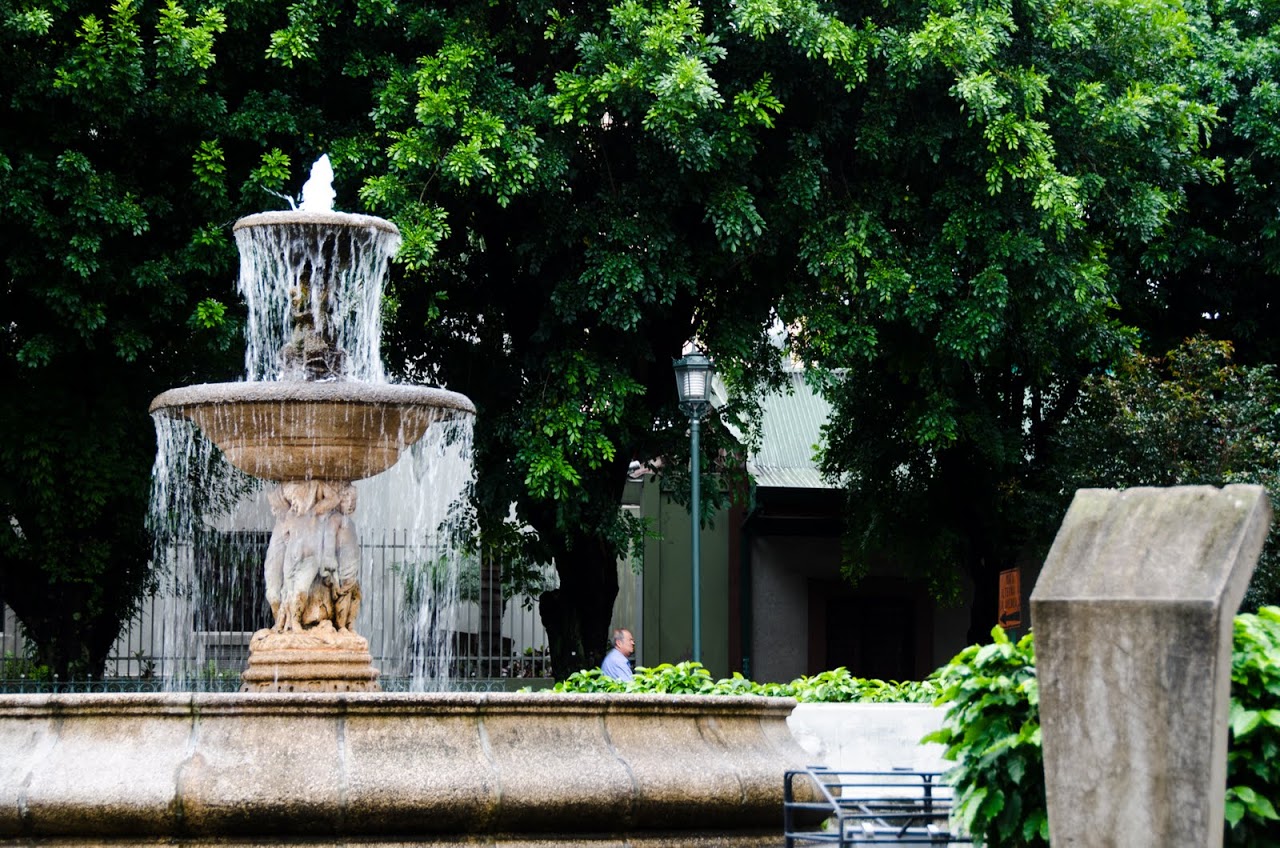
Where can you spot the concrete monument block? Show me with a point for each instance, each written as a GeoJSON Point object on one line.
{"type": "Point", "coordinates": [1133, 620]}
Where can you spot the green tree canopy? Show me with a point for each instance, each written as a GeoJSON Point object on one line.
{"type": "Point", "coordinates": [944, 201]}
{"type": "Point", "coordinates": [1215, 270]}
{"type": "Point", "coordinates": [995, 169]}
{"type": "Point", "coordinates": [1190, 417]}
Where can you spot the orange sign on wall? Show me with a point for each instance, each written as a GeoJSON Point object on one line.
{"type": "Point", "coordinates": [1010, 598]}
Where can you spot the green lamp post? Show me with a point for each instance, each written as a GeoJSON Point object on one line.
{"type": "Point", "coordinates": [693, 383]}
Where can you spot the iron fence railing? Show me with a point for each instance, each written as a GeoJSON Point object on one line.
{"type": "Point", "coordinates": [495, 634]}
{"type": "Point", "coordinates": [823, 806]}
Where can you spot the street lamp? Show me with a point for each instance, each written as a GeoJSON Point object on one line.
{"type": "Point", "coordinates": [693, 383]}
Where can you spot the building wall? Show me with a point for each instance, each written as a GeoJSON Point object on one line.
{"type": "Point", "coordinates": [666, 634]}
{"type": "Point", "coordinates": [628, 608]}
{"type": "Point", "coordinates": [781, 568]}
{"type": "Point", "coordinates": [805, 617]}
{"type": "Point", "coordinates": [798, 614]}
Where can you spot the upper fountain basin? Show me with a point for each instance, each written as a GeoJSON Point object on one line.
{"type": "Point", "coordinates": [319, 219]}
{"type": "Point", "coordinates": [335, 430]}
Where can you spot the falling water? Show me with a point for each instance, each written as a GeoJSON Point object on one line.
{"type": "Point", "coordinates": [210, 520]}
{"type": "Point", "coordinates": [210, 523]}
{"type": "Point", "coordinates": [278, 262]}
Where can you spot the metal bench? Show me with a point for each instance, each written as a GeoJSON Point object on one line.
{"type": "Point", "coordinates": [899, 807]}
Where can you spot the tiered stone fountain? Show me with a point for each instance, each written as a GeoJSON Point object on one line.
{"type": "Point", "coordinates": [309, 755]}
{"type": "Point", "coordinates": [313, 431]}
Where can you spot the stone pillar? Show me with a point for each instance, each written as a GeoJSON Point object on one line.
{"type": "Point", "coordinates": [1133, 620]}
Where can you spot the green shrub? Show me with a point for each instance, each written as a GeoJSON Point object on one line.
{"type": "Point", "coordinates": [691, 678]}
{"type": "Point", "coordinates": [687, 678]}
{"type": "Point", "coordinates": [23, 668]}
{"type": "Point", "coordinates": [992, 732]}
{"type": "Point", "coordinates": [1253, 755]}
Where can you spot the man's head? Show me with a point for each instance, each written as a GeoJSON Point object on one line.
{"type": "Point", "coordinates": [624, 641]}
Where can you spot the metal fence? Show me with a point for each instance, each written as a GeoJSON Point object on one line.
{"type": "Point", "coordinates": [495, 633]}
{"type": "Point", "coordinates": [823, 806]}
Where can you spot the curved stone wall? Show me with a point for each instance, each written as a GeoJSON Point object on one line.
{"type": "Point", "coordinates": [497, 768]}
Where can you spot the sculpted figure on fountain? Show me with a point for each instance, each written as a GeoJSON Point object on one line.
{"type": "Point", "coordinates": [312, 566]}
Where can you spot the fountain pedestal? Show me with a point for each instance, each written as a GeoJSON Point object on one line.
{"type": "Point", "coordinates": [317, 660]}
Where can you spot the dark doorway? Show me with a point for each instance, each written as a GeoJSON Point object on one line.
{"type": "Point", "coordinates": [876, 631]}
{"type": "Point", "coordinates": [872, 637]}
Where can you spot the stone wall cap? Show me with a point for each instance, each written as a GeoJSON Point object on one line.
{"type": "Point", "coordinates": [1177, 544]}
{"type": "Point", "coordinates": [389, 703]}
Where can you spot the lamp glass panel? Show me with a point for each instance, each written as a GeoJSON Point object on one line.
{"type": "Point", "coordinates": [695, 385]}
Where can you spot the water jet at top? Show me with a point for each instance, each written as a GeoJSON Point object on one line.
{"type": "Point", "coordinates": [314, 415]}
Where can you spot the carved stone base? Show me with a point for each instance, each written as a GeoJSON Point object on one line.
{"type": "Point", "coordinates": [393, 770]}
{"type": "Point", "coordinates": [317, 660]}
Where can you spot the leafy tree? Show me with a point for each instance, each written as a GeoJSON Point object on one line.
{"type": "Point", "coordinates": [130, 150]}
{"type": "Point", "coordinates": [1190, 417]}
{"type": "Point", "coordinates": [572, 188]}
{"type": "Point", "coordinates": [1217, 268]}
{"type": "Point", "coordinates": [940, 198]}
{"type": "Point", "coordinates": [133, 134]}
{"type": "Point", "coordinates": [97, 261]}
{"type": "Point", "coordinates": [933, 194]}
{"type": "Point", "coordinates": [981, 186]}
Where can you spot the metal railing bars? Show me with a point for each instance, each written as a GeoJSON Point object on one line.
{"type": "Point", "coordinates": [848, 808]}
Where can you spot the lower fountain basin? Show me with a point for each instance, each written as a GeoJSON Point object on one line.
{"type": "Point", "coordinates": [338, 430]}
{"type": "Point", "coordinates": [394, 769]}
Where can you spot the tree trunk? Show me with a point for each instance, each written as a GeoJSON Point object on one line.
{"type": "Point", "coordinates": [576, 615]}
{"type": "Point", "coordinates": [984, 613]}
{"type": "Point", "coordinates": [72, 649]}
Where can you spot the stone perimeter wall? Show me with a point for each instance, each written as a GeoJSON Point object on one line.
{"type": "Point", "coordinates": [360, 766]}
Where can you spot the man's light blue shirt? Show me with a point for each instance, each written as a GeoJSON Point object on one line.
{"type": "Point", "coordinates": [615, 665]}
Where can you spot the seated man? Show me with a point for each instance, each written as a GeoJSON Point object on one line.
{"type": "Point", "coordinates": [615, 663]}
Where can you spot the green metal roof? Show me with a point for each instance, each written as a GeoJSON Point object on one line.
{"type": "Point", "coordinates": [791, 430]}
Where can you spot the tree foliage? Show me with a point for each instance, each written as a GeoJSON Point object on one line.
{"type": "Point", "coordinates": [942, 201]}
{"type": "Point", "coordinates": [946, 202]}
{"type": "Point", "coordinates": [571, 184]}
{"type": "Point", "coordinates": [1191, 417]}
{"type": "Point", "coordinates": [133, 134]}
{"type": "Point", "coordinates": [976, 195]}
{"type": "Point", "coordinates": [98, 257]}
{"type": "Point", "coordinates": [1215, 270]}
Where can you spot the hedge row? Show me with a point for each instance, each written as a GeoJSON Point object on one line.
{"type": "Point", "coordinates": [691, 678]}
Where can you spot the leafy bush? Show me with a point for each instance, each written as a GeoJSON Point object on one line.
{"type": "Point", "coordinates": [691, 678]}
{"type": "Point", "coordinates": [1253, 756]}
{"type": "Point", "coordinates": [992, 730]}
{"type": "Point", "coordinates": [17, 668]}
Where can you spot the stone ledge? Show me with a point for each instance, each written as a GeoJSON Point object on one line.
{"type": "Point", "coordinates": [365, 765]}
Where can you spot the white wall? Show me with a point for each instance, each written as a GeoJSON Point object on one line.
{"type": "Point", "coordinates": [869, 737]}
